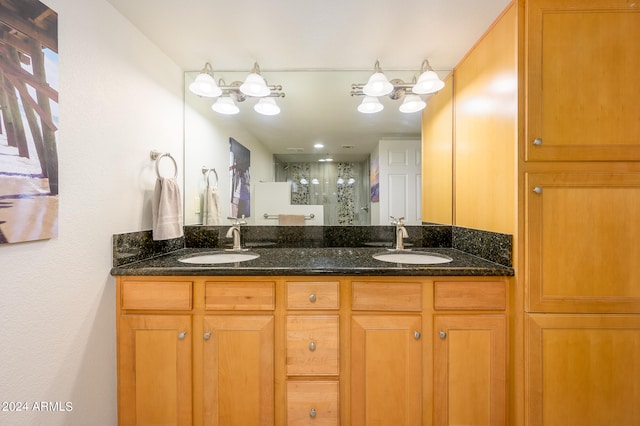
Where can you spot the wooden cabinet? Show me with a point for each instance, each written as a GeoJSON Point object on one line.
{"type": "Point", "coordinates": [470, 353]}
{"type": "Point", "coordinates": [154, 352]}
{"type": "Point", "coordinates": [386, 370]}
{"type": "Point", "coordinates": [582, 242]}
{"type": "Point", "coordinates": [582, 103]}
{"type": "Point", "coordinates": [386, 353]}
{"type": "Point", "coordinates": [311, 351]}
{"type": "Point", "coordinates": [584, 368]}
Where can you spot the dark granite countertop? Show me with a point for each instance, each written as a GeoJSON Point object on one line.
{"type": "Point", "coordinates": [315, 261]}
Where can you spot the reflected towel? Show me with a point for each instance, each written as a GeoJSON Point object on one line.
{"type": "Point", "coordinates": [166, 208]}
{"type": "Point", "coordinates": [211, 209]}
{"type": "Point", "coordinates": [291, 219]}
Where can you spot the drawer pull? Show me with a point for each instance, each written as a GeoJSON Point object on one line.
{"type": "Point", "coordinates": [312, 413]}
{"type": "Point", "coordinates": [443, 334]}
{"type": "Point", "coordinates": [416, 335]}
{"type": "Point", "coordinates": [537, 141]}
{"type": "Point", "coordinates": [312, 346]}
{"type": "Point", "coordinates": [182, 335]}
{"type": "Point", "coordinates": [537, 190]}
{"type": "Point", "coordinates": [312, 298]}
{"type": "Point", "coordinates": [207, 335]}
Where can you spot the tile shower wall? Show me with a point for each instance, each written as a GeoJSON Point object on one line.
{"type": "Point", "coordinates": [342, 188]}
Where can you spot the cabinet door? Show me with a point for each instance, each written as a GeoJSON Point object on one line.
{"type": "Point", "coordinates": [470, 385]}
{"type": "Point", "coordinates": [582, 246]}
{"type": "Point", "coordinates": [386, 370]}
{"type": "Point", "coordinates": [238, 370]}
{"type": "Point", "coordinates": [154, 370]}
{"type": "Point", "coordinates": [582, 88]}
{"type": "Point", "coordinates": [582, 370]}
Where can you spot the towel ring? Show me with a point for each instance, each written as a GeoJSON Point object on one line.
{"type": "Point", "coordinates": [206, 173]}
{"type": "Point", "coordinates": [155, 155]}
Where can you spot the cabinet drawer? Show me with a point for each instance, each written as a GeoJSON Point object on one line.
{"type": "Point", "coordinates": [312, 403]}
{"type": "Point", "coordinates": [312, 345]}
{"type": "Point", "coordinates": [383, 296]}
{"type": "Point", "coordinates": [161, 295]}
{"type": "Point", "coordinates": [313, 295]}
{"type": "Point", "coordinates": [470, 295]}
{"type": "Point", "coordinates": [259, 295]}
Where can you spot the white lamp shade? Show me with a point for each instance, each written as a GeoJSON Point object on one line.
{"type": "Point", "coordinates": [267, 106]}
{"type": "Point", "coordinates": [378, 85]}
{"type": "Point", "coordinates": [412, 103]}
{"type": "Point", "coordinates": [428, 82]}
{"type": "Point", "coordinates": [370, 105]}
{"type": "Point", "coordinates": [225, 105]}
{"type": "Point", "coordinates": [205, 85]}
{"type": "Point", "coordinates": [254, 85]}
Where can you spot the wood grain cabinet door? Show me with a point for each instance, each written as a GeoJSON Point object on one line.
{"type": "Point", "coordinates": [238, 374]}
{"type": "Point", "coordinates": [386, 370]}
{"type": "Point", "coordinates": [583, 89]}
{"type": "Point", "coordinates": [582, 369]}
{"type": "Point", "coordinates": [154, 370]}
{"type": "Point", "coordinates": [582, 251]}
{"type": "Point", "coordinates": [470, 368]}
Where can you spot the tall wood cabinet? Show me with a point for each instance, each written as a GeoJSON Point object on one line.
{"type": "Point", "coordinates": [312, 350]}
{"type": "Point", "coordinates": [581, 197]}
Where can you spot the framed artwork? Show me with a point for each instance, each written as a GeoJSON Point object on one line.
{"type": "Point", "coordinates": [374, 179]}
{"type": "Point", "coordinates": [239, 167]}
{"type": "Point", "coordinates": [28, 121]}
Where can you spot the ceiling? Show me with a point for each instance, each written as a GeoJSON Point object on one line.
{"type": "Point", "coordinates": [287, 35]}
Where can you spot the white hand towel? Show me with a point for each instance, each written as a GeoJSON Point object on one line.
{"type": "Point", "coordinates": [167, 210]}
{"type": "Point", "coordinates": [211, 209]}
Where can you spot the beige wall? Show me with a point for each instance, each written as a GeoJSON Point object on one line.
{"type": "Point", "coordinates": [120, 97]}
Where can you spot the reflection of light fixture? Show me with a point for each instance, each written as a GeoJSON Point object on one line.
{"type": "Point", "coordinates": [315, 181]}
{"type": "Point", "coordinates": [205, 84]}
{"type": "Point", "coordinates": [225, 105]}
{"type": "Point", "coordinates": [351, 181]}
{"type": "Point", "coordinates": [370, 105]}
{"type": "Point", "coordinates": [412, 103]}
{"type": "Point", "coordinates": [340, 181]}
{"type": "Point", "coordinates": [304, 181]}
{"type": "Point", "coordinates": [378, 85]}
{"type": "Point", "coordinates": [253, 86]}
{"type": "Point", "coordinates": [267, 106]}
{"type": "Point", "coordinates": [428, 82]}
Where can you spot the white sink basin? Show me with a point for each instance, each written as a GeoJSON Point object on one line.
{"type": "Point", "coordinates": [218, 257]}
{"type": "Point", "coordinates": [413, 257]}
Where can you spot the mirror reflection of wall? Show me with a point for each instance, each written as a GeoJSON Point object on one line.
{"type": "Point", "coordinates": [342, 188]}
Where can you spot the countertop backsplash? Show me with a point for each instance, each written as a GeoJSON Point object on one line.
{"type": "Point", "coordinates": [495, 247]}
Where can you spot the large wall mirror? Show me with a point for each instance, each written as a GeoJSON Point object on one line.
{"type": "Point", "coordinates": [374, 163]}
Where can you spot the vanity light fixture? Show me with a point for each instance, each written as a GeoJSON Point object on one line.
{"type": "Point", "coordinates": [428, 82]}
{"type": "Point", "coordinates": [204, 84]}
{"type": "Point", "coordinates": [254, 86]}
{"type": "Point", "coordinates": [378, 85]}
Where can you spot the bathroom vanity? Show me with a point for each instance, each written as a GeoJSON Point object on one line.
{"type": "Point", "coordinates": [313, 336]}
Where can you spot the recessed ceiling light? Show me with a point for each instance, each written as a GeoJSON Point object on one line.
{"type": "Point", "coordinates": [318, 145]}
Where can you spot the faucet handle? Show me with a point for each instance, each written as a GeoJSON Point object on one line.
{"type": "Point", "coordinates": [399, 221]}
{"type": "Point", "coordinates": [237, 221]}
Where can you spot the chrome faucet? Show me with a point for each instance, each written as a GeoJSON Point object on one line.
{"type": "Point", "coordinates": [234, 232]}
{"type": "Point", "coordinates": [401, 232]}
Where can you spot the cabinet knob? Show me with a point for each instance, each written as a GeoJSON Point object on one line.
{"type": "Point", "coordinates": [443, 334]}
{"type": "Point", "coordinates": [312, 298]}
{"type": "Point", "coordinates": [312, 346]}
{"type": "Point", "coordinates": [417, 335]}
{"type": "Point", "coordinates": [537, 189]}
{"type": "Point", "coordinates": [312, 413]}
{"type": "Point", "coordinates": [537, 141]}
{"type": "Point", "coordinates": [182, 335]}
{"type": "Point", "coordinates": [207, 335]}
